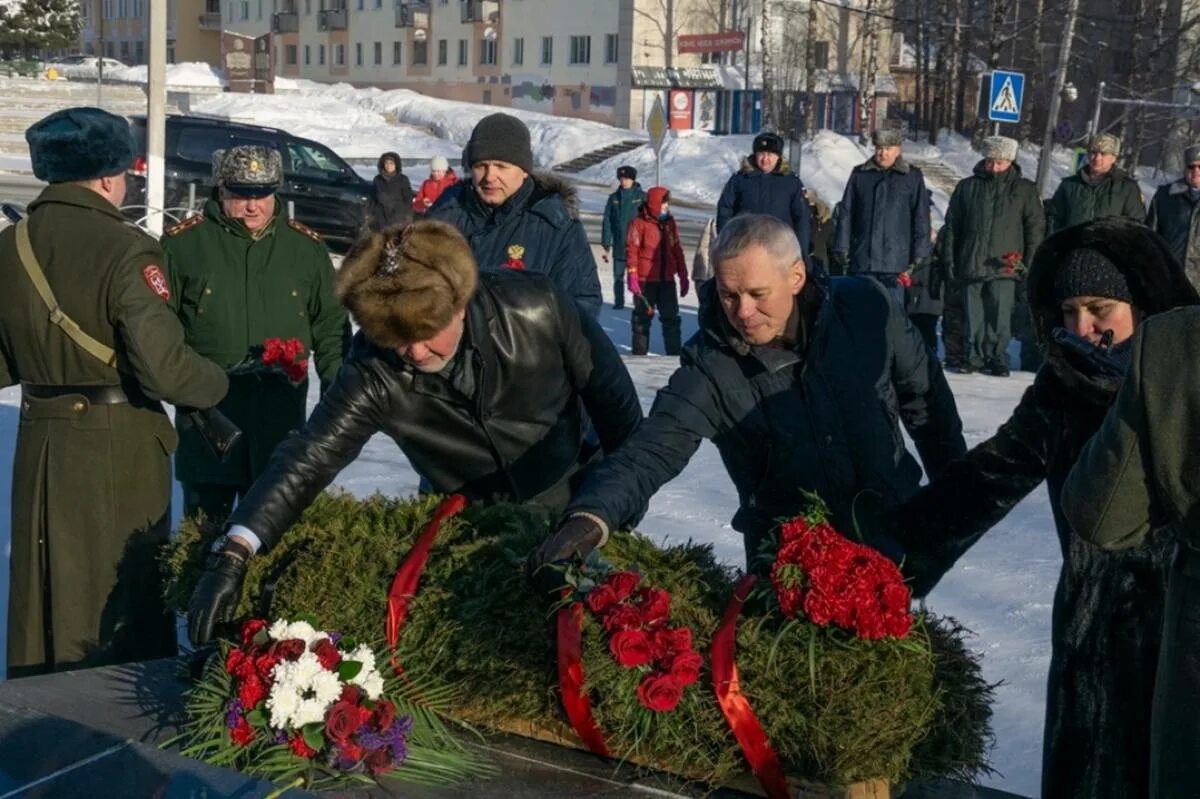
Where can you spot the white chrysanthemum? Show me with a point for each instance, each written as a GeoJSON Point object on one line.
{"type": "Point", "coordinates": [276, 630]}
{"type": "Point", "coordinates": [368, 677]}
{"type": "Point", "coordinates": [302, 692]}
{"type": "Point", "coordinates": [373, 685]}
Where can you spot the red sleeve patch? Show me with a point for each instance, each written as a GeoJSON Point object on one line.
{"type": "Point", "coordinates": [157, 281]}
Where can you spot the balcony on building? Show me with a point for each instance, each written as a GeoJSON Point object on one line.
{"type": "Point", "coordinates": [480, 10]}
{"type": "Point", "coordinates": [333, 19]}
{"type": "Point", "coordinates": [210, 20]}
{"type": "Point", "coordinates": [412, 15]}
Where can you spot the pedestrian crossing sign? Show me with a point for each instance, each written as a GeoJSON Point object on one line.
{"type": "Point", "coordinates": [1008, 89]}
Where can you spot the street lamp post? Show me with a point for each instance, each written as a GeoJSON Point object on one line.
{"type": "Point", "coordinates": [1060, 79]}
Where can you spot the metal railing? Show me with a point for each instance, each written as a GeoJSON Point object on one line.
{"type": "Point", "coordinates": [333, 19]}
{"type": "Point", "coordinates": [285, 22]}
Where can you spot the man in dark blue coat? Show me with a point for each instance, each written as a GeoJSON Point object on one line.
{"type": "Point", "coordinates": [883, 230]}
{"type": "Point", "coordinates": [765, 185]}
{"type": "Point", "coordinates": [1175, 214]}
{"type": "Point", "coordinates": [622, 208]}
{"type": "Point", "coordinates": [801, 387]}
{"type": "Point", "coordinates": [513, 218]}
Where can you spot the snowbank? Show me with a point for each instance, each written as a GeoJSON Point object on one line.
{"type": "Point", "coordinates": [186, 75]}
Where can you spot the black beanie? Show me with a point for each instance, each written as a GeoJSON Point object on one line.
{"type": "Point", "coordinates": [500, 137]}
{"type": "Point", "coordinates": [768, 143]}
{"type": "Point", "coordinates": [626, 172]}
{"type": "Point", "coordinates": [1089, 273]}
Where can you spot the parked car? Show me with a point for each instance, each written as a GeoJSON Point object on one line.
{"type": "Point", "coordinates": [326, 194]}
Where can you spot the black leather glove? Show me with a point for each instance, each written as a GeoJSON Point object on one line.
{"type": "Point", "coordinates": [839, 261]}
{"type": "Point", "coordinates": [218, 591]}
{"type": "Point", "coordinates": [574, 540]}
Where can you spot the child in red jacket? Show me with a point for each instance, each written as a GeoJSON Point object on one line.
{"type": "Point", "coordinates": [441, 177]}
{"type": "Point", "coordinates": [654, 258]}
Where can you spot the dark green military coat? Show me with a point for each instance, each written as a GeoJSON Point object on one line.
{"type": "Point", "coordinates": [988, 217]}
{"type": "Point", "coordinates": [232, 292]}
{"type": "Point", "coordinates": [91, 483]}
{"type": "Point", "coordinates": [1077, 200]}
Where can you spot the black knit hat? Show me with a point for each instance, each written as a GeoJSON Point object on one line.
{"type": "Point", "coordinates": [1089, 273]}
{"type": "Point", "coordinates": [626, 172]}
{"type": "Point", "coordinates": [768, 143]}
{"type": "Point", "coordinates": [500, 137]}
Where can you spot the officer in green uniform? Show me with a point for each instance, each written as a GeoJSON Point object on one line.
{"type": "Point", "coordinates": [239, 274]}
{"type": "Point", "coordinates": [1097, 190]}
{"type": "Point", "coordinates": [86, 332]}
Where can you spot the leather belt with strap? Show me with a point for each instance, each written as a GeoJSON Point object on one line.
{"type": "Point", "coordinates": [97, 395]}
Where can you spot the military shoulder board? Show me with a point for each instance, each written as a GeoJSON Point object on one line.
{"type": "Point", "coordinates": [307, 231]}
{"type": "Point", "coordinates": [187, 224]}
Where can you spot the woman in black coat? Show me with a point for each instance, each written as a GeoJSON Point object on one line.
{"type": "Point", "coordinates": [1108, 606]}
{"type": "Point", "coordinates": [391, 196]}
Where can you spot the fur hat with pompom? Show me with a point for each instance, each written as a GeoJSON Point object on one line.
{"type": "Point", "coordinates": [405, 284]}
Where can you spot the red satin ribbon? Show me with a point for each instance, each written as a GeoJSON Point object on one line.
{"type": "Point", "coordinates": [738, 713]}
{"type": "Point", "coordinates": [570, 678]}
{"type": "Point", "coordinates": [404, 584]}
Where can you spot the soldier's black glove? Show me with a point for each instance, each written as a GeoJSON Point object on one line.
{"type": "Point", "coordinates": [218, 591]}
{"type": "Point", "coordinates": [839, 261]}
{"type": "Point", "coordinates": [574, 540]}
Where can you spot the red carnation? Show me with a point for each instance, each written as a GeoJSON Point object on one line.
{"type": "Point", "coordinates": [351, 694]}
{"type": "Point", "coordinates": [250, 629]}
{"type": "Point", "coordinates": [631, 648]}
{"type": "Point", "coordinates": [290, 649]}
{"type": "Point", "coordinates": [350, 750]}
{"type": "Point", "coordinates": [379, 761]}
{"type": "Point", "coordinates": [895, 596]}
{"type": "Point", "coordinates": [272, 351]}
{"type": "Point", "coordinates": [251, 692]}
{"type": "Point", "coordinates": [385, 714]}
{"type": "Point", "coordinates": [660, 692]}
{"type": "Point", "coordinates": [342, 721]}
{"type": "Point", "coordinates": [294, 348]}
{"type": "Point", "coordinates": [239, 664]}
{"type": "Point", "coordinates": [904, 279]}
{"type": "Point", "coordinates": [265, 664]}
{"type": "Point", "coordinates": [655, 604]}
{"type": "Point", "coordinates": [686, 667]}
{"type": "Point", "coordinates": [328, 654]}
{"type": "Point", "coordinates": [622, 617]}
{"type": "Point", "coordinates": [242, 733]}
{"type": "Point", "coordinates": [296, 372]}
{"type": "Point", "coordinates": [299, 747]}
{"type": "Point", "coordinates": [623, 583]}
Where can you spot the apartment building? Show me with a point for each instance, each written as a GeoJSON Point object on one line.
{"type": "Point", "coordinates": [119, 29]}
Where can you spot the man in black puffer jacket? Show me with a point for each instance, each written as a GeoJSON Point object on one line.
{"type": "Point", "coordinates": [482, 379]}
{"type": "Point", "coordinates": [801, 387]}
{"type": "Point", "coordinates": [520, 220]}
{"type": "Point", "coordinates": [391, 195]}
{"type": "Point", "coordinates": [765, 184]}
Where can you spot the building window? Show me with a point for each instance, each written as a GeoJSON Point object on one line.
{"type": "Point", "coordinates": [397, 56]}
{"type": "Point", "coordinates": [443, 49]}
{"type": "Point", "coordinates": [462, 52]}
{"type": "Point", "coordinates": [378, 54]}
{"type": "Point", "coordinates": [289, 54]}
{"type": "Point", "coordinates": [124, 51]}
{"type": "Point", "coordinates": [821, 55]}
{"type": "Point", "coordinates": [260, 9]}
{"type": "Point", "coordinates": [378, 4]}
{"type": "Point", "coordinates": [307, 55]}
{"type": "Point", "coordinates": [358, 62]}
{"type": "Point", "coordinates": [339, 53]}
{"type": "Point", "coordinates": [420, 54]}
{"type": "Point", "coordinates": [581, 50]}
{"type": "Point", "coordinates": [245, 9]}
{"type": "Point", "coordinates": [487, 52]}
{"type": "Point", "coordinates": [360, 5]}
{"type": "Point", "coordinates": [518, 57]}
{"type": "Point", "coordinates": [320, 55]}
{"type": "Point", "coordinates": [547, 50]}
{"type": "Point", "coordinates": [139, 52]}
{"type": "Point", "coordinates": [610, 48]}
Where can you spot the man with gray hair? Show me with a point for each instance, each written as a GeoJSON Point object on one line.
{"type": "Point", "coordinates": [994, 224]}
{"type": "Point", "coordinates": [883, 230]}
{"type": "Point", "coordinates": [1175, 214]}
{"type": "Point", "coordinates": [1099, 189]}
{"type": "Point", "coordinates": [800, 385]}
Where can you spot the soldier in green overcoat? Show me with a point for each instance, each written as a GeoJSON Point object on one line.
{"type": "Point", "coordinates": [92, 473]}
{"type": "Point", "coordinates": [239, 274]}
{"type": "Point", "coordinates": [1099, 189]}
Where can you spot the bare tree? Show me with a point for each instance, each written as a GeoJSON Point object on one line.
{"type": "Point", "coordinates": [664, 23]}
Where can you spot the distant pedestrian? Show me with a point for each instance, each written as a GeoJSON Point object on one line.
{"type": "Point", "coordinates": [441, 177]}
{"type": "Point", "coordinates": [655, 260]}
{"type": "Point", "coordinates": [1175, 214]}
{"type": "Point", "coordinates": [621, 209]}
{"type": "Point", "coordinates": [765, 184]}
{"type": "Point", "coordinates": [391, 198]}
{"type": "Point", "coordinates": [995, 224]}
{"type": "Point", "coordinates": [884, 226]}
{"type": "Point", "coordinates": [1099, 189]}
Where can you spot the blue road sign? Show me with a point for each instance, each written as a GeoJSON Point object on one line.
{"type": "Point", "coordinates": [1008, 89]}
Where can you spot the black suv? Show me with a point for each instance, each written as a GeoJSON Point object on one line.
{"type": "Point", "coordinates": [326, 193]}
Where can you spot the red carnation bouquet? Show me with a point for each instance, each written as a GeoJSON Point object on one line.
{"type": "Point", "coordinates": [640, 636]}
{"type": "Point", "coordinates": [287, 357]}
{"type": "Point", "coordinates": [828, 579]}
{"type": "Point", "coordinates": [1014, 263]}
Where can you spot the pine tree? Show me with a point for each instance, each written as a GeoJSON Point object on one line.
{"type": "Point", "coordinates": [45, 24]}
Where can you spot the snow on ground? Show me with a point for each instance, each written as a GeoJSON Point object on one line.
{"type": "Point", "coordinates": [1002, 589]}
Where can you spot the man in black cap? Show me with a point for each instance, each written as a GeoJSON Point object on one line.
{"type": "Point", "coordinates": [514, 218]}
{"type": "Point", "coordinates": [765, 185]}
{"type": "Point", "coordinates": [883, 229]}
{"type": "Point", "coordinates": [1175, 214]}
{"type": "Point", "coordinates": [622, 207]}
{"type": "Point", "coordinates": [92, 474]}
